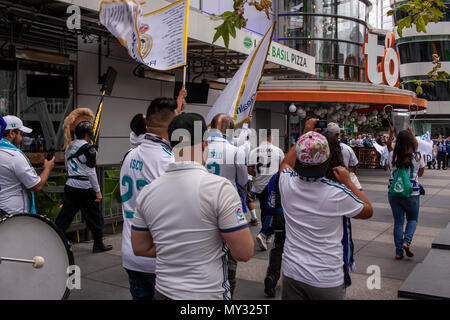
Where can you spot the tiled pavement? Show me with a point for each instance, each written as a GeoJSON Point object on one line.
{"type": "Point", "coordinates": [104, 278]}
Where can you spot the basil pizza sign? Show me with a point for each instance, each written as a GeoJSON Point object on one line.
{"type": "Point", "coordinates": [291, 58]}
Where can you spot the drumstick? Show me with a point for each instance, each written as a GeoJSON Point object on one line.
{"type": "Point", "coordinates": [38, 261]}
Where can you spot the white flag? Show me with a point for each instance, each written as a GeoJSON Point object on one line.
{"type": "Point", "coordinates": [425, 147]}
{"type": "Point", "coordinates": [157, 39]}
{"type": "Point", "coordinates": [238, 97]}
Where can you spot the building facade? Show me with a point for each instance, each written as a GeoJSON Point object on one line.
{"type": "Point", "coordinates": [333, 31]}
{"type": "Point", "coordinates": [416, 50]}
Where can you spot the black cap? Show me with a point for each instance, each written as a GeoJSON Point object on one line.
{"type": "Point", "coordinates": [188, 123]}
{"type": "Point", "coordinates": [138, 125]}
{"type": "Point", "coordinates": [317, 171]}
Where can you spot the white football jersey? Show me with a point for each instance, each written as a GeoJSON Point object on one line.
{"type": "Point", "coordinates": [226, 160]}
{"type": "Point", "coordinates": [77, 167]}
{"type": "Point", "coordinates": [266, 159]}
{"type": "Point", "coordinates": [140, 167]}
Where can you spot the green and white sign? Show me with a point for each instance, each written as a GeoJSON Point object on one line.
{"type": "Point", "coordinates": [291, 58]}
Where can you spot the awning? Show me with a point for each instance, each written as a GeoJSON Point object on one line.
{"type": "Point", "coordinates": [318, 91]}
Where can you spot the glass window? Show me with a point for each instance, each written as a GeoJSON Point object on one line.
{"type": "Point", "coordinates": [348, 8]}
{"type": "Point", "coordinates": [310, 6]}
{"type": "Point", "coordinates": [44, 110]}
{"type": "Point", "coordinates": [350, 30]}
{"type": "Point", "coordinates": [423, 51]}
{"type": "Point", "coordinates": [7, 92]}
{"type": "Point", "coordinates": [348, 53]}
{"type": "Point", "coordinates": [305, 26]}
{"type": "Point", "coordinates": [292, 27]}
{"type": "Point", "coordinates": [363, 13]}
{"type": "Point", "coordinates": [439, 92]}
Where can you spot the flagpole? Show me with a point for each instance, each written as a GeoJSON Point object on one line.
{"type": "Point", "coordinates": [262, 71]}
{"type": "Point", "coordinates": [98, 119]}
{"type": "Point", "coordinates": [184, 76]}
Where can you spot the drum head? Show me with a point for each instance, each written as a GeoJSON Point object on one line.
{"type": "Point", "coordinates": [25, 236]}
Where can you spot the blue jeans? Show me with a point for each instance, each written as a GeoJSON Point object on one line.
{"type": "Point", "coordinates": [401, 207]}
{"type": "Point", "coordinates": [142, 285]}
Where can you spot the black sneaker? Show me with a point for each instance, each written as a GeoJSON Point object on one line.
{"type": "Point", "coordinates": [269, 287]}
{"type": "Point", "coordinates": [253, 222]}
{"type": "Point", "coordinates": [101, 248]}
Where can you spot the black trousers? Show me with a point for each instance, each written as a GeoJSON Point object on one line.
{"type": "Point", "coordinates": [441, 159]}
{"type": "Point", "coordinates": [75, 199]}
{"type": "Point", "coordinates": [263, 203]}
{"type": "Point", "coordinates": [276, 253]}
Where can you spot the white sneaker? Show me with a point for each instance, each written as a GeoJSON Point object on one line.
{"type": "Point", "coordinates": [269, 239]}
{"type": "Point", "coordinates": [261, 240]}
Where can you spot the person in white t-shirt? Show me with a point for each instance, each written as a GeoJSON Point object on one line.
{"type": "Point", "coordinates": [141, 166]}
{"type": "Point", "coordinates": [313, 210]}
{"type": "Point", "coordinates": [264, 162]}
{"type": "Point", "coordinates": [348, 155]}
{"type": "Point", "coordinates": [404, 155]}
{"type": "Point", "coordinates": [16, 173]}
{"type": "Point", "coordinates": [228, 161]}
{"type": "Point", "coordinates": [189, 219]}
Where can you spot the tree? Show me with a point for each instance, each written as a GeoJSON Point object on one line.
{"type": "Point", "coordinates": [235, 19]}
{"type": "Point", "coordinates": [420, 13]}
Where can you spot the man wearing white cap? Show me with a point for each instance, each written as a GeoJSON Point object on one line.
{"type": "Point", "coordinates": [17, 174]}
{"type": "Point", "coordinates": [348, 155]}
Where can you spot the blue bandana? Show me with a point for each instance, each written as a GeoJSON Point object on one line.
{"type": "Point", "coordinates": [2, 126]}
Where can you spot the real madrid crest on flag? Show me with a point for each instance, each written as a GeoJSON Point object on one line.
{"type": "Point", "coordinates": [157, 39]}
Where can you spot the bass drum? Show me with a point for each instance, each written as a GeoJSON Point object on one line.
{"type": "Point", "coordinates": [24, 236]}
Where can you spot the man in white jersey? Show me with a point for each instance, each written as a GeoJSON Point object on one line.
{"type": "Point", "coordinates": [264, 162]}
{"type": "Point", "coordinates": [228, 161]}
{"type": "Point", "coordinates": [314, 207]}
{"type": "Point", "coordinates": [191, 232]}
{"type": "Point", "coordinates": [224, 159]}
{"type": "Point", "coordinates": [140, 167]}
{"type": "Point", "coordinates": [82, 190]}
{"type": "Point", "coordinates": [348, 155]}
{"type": "Point", "coordinates": [16, 173]}
{"type": "Point", "coordinates": [243, 142]}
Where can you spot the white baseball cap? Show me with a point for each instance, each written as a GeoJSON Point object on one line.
{"type": "Point", "coordinates": [14, 123]}
{"type": "Point", "coordinates": [333, 128]}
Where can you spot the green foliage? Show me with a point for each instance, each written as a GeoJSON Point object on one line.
{"type": "Point", "coordinates": [434, 75]}
{"type": "Point", "coordinates": [420, 13]}
{"type": "Point", "coordinates": [235, 19]}
{"type": "Point", "coordinates": [374, 125]}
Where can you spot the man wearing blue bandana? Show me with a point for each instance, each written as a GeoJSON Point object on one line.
{"type": "Point", "coordinates": [17, 174]}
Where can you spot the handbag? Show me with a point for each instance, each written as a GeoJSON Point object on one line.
{"type": "Point", "coordinates": [401, 185]}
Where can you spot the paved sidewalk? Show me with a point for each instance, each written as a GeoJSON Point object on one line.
{"type": "Point", "coordinates": [104, 278]}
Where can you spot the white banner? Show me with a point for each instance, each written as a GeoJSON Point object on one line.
{"type": "Point", "coordinates": [157, 39]}
{"type": "Point", "coordinates": [238, 97]}
{"type": "Point", "coordinates": [425, 147]}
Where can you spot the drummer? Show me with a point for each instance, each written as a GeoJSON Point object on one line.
{"type": "Point", "coordinates": [17, 174]}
